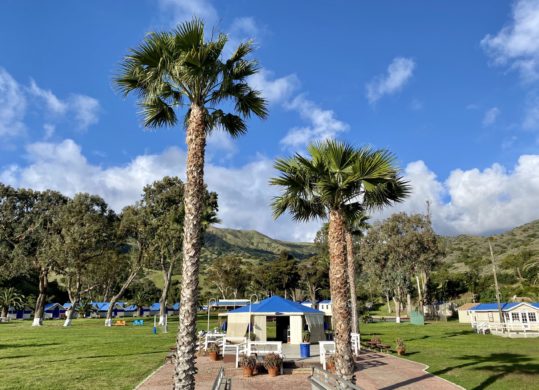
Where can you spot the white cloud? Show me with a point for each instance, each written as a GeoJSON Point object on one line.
{"type": "Point", "coordinates": [323, 124]}
{"type": "Point", "coordinates": [491, 115]}
{"type": "Point", "coordinates": [469, 201]}
{"type": "Point", "coordinates": [474, 201]}
{"type": "Point", "coordinates": [244, 192]}
{"type": "Point", "coordinates": [49, 130]}
{"type": "Point", "coordinates": [84, 109]}
{"type": "Point", "coordinates": [178, 11]}
{"type": "Point", "coordinates": [52, 102]}
{"type": "Point", "coordinates": [274, 89]}
{"type": "Point", "coordinates": [517, 44]}
{"type": "Point", "coordinates": [398, 73]}
{"type": "Point", "coordinates": [12, 106]}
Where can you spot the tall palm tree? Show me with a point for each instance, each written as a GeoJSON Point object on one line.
{"type": "Point", "coordinates": [337, 181]}
{"type": "Point", "coordinates": [181, 69]}
{"type": "Point", "coordinates": [356, 224]}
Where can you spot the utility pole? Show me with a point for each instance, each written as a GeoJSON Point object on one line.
{"type": "Point", "coordinates": [502, 320]}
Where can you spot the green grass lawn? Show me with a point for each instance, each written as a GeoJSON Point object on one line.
{"type": "Point", "coordinates": [86, 355]}
{"type": "Point", "coordinates": [457, 354]}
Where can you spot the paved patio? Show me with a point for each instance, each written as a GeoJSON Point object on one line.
{"type": "Point", "coordinates": [374, 371]}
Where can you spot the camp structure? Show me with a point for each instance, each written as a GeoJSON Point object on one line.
{"type": "Point", "coordinates": [101, 308]}
{"type": "Point", "coordinates": [513, 312]}
{"type": "Point", "coordinates": [465, 313]}
{"type": "Point", "coordinates": [20, 314]}
{"type": "Point", "coordinates": [131, 311]}
{"type": "Point", "coordinates": [277, 319]}
{"type": "Point", "coordinates": [53, 311]}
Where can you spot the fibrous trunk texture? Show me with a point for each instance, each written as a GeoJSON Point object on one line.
{"type": "Point", "coordinates": [185, 370]}
{"type": "Point", "coordinates": [340, 293]}
{"type": "Point", "coordinates": [40, 301]}
{"type": "Point", "coordinates": [352, 279]}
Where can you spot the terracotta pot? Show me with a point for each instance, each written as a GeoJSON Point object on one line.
{"type": "Point", "coordinates": [330, 368]}
{"type": "Point", "coordinates": [247, 372]}
{"type": "Point", "coordinates": [273, 371]}
{"type": "Point", "coordinates": [214, 356]}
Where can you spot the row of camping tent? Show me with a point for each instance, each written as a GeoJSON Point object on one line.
{"type": "Point", "coordinates": [97, 310]}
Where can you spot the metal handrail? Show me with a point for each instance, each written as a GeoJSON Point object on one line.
{"type": "Point", "coordinates": [218, 379]}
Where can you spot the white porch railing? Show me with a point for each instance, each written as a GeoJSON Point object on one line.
{"type": "Point", "coordinates": [527, 329]}
{"type": "Point", "coordinates": [234, 346]}
{"type": "Point", "coordinates": [216, 338]}
{"type": "Point", "coordinates": [326, 348]}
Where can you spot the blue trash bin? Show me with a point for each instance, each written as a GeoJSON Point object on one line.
{"type": "Point", "coordinates": [305, 350]}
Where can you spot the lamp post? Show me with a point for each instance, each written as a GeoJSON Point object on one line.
{"type": "Point", "coordinates": [209, 308]}
{"type": "Point", "coordinates": [249, 325]}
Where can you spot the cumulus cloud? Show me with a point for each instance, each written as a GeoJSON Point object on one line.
{"type": "Point", "coordinates": [243, 191]}
{"type": "Point", "coordinates": [178, 11]}
{"type": "Point", "coordinates": [274, 89]}
{"type": "Point", "coordinates": [398, 74]}
{"type": "Point", "coordinates": [84, 109]}
{"type": "Point", "coordinates": [12, 105]}
{"type": "Point", "coordinates": [322, 124]}
{"type": "Point", "coordinates": [490, 117]}
{"type": "Point", "coordinates": [475, 201]}
{"type": "Point", "coordinates": [517, 44]}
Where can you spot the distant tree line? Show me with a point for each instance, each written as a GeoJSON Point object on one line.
{"type": "Point", "coordinates": [54, 246]}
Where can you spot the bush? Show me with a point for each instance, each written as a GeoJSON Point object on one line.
{"type": "Point", "coordinates": [248, 361]}
{"type": "Point", "coordinates": [272, 360]}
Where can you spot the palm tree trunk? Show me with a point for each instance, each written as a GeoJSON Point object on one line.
{"type": "Point", "coordinates": [351, 278]}
{"type": "Point", "coordinates": [42, 296]}
{"type": "Point", "coordinates": [184, 377]}
{"type": "Point", "coordinates": [340, 293]}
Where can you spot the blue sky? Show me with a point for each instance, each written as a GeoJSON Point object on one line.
{"type": "Point", "coordinates": [450, 87]}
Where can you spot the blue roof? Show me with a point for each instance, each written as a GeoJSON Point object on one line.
{"type": "Point", "coordinates": [49, 306]}
{"type": "Point", "coordinates": [176, 306]}
{"type": "Point", "coordinates": [505, 306]}
{"type": "Point", "coordinates": [131, 308]}
{"type": "Point", "coordinates": [276, 304]}
{"type": "Point", "coordinates": [104, 306]}
{"type": "Point", "coordinates": [325, 301]}
{"type": "Point", "coordinates": [155, 306]}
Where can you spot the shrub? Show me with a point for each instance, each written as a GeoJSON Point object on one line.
{"type": "Point", "coordinates": [272, 360]}
{"type": "Point", "coordinates": [248, 361]}
{"type": "Point", "coordinates": [213, 347]}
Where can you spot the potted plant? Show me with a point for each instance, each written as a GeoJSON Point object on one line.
{"type": "Point", "coordinates": [252, 337]}
{"type": "Point", "coordinates": [401, 348]}
{"type": "Point", "coordinates": [330, 363]}
{"type": "Point", "coordinates": [249, 364]}
{"type": "Point", "coordinates": [213, 351]}
{"type": "Point", "coordinates": [272, 363]}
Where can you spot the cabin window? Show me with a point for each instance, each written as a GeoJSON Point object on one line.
{"type": "Point", "coordinates": [532, 317]}
{"type": "Point", "coordinates": [514, 317]}
{"type": "Point", "coordinates": [490, 317]}
{"type": "Point", "coordinates": [524, 317]}
{"type": "Point", "coordinates": [506, 316]}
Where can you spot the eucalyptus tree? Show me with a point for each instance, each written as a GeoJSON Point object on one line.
{"type": "Point", "coordinates": [181, 69]}
{"type": "Point", "coordinates": [398, 249]}
{"type": "Point", "coordinates": [335, 181]}
{"type": "Point", "coordinates": [313, 274]}
{"type": "Point", "coordinates": [130, 254]}
{"type": "Point", "coordinates": [28, 225]}
{"type": "Point", "coordinates": [85, 232]}
{"type": "Point", "coordinates": [356, 224]}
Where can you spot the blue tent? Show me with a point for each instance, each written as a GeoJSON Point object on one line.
{"type": "Point", "coordinates": [54, 310]}
{"type": "Point", "coordinates": [291, 320]}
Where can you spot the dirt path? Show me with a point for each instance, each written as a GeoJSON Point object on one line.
{"type": "Point", "coordinates": [375, 371]}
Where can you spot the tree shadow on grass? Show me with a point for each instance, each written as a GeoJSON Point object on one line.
{"type": "Point", "coordinates": [8, 346]}
{"type": "Point", "coordinates": [498, 364]}
{"type": "Point", "coordinates": [457, 333]}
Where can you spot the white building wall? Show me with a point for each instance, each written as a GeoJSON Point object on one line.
{"type": "Point", "coordinates": [296, 329]}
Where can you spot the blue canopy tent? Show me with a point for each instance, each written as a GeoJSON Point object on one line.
{"type": "Point", "coordinates": [291, 318]}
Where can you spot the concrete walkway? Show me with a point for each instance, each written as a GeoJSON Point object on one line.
{"type": "Point", "coordinates": [374, 371]}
